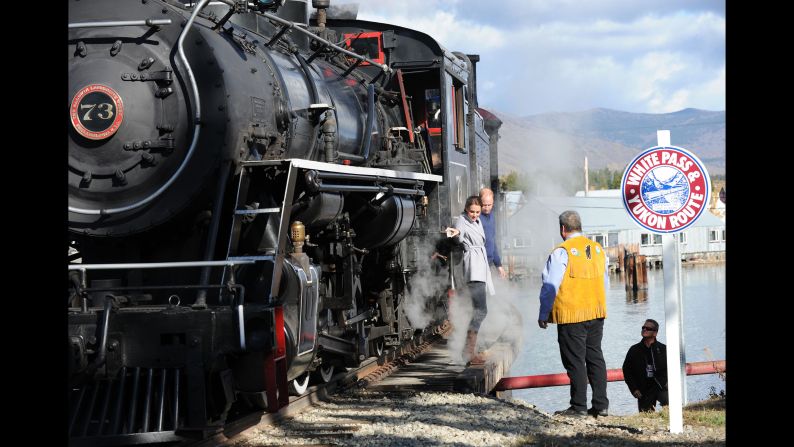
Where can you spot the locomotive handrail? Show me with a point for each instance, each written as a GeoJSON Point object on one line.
{"type": "Point", "coordinates": [160, 287]}
{"type": "Point", "coordinates": [360, 177]}
{"type": "Point", "coordinates": [196, 124]}
{"type": "Point", "coordinates": [157, 265]}
{"type": "Point", "coordinates": [325, 187]}
{"type": "Point", "coordinates": [258, 211]}
{"type": "Point", "coordinates": [315, 181]}
{"type": "Point", "coordinates": [292, 25]}
{"type": "Point", "coordinates": [146, 22]}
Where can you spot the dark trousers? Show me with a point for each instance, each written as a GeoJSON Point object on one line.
{"type": "Point", "coordinates": [478, 304]}
{"type": "Point", "coordinates": [580, 350]}
{"type": "Point", "coordinates": [648, 400]}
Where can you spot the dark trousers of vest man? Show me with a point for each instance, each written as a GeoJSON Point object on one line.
{"type": "Point", "coordinates": [580, 350]}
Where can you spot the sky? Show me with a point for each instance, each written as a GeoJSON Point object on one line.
{"type": "Point", "coordinates": [539, 56]}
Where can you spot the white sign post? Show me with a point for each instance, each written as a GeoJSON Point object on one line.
{"type": "Point", "coordinates": [673, 322]}
{"type": "Point", "coordinates": [673, 318]}
{"type": "Point", "coordinates": [665, 189]}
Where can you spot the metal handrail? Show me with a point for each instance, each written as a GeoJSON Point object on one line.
{"type": "Point", "coordinates": [145, 22]}
{"type": "Point", "coordinates": [155, 265]}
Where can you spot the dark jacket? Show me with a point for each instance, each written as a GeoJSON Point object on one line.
{"type": "Point", "coordinates": [634, 372]}
{"type": "Point", "coordinates": [491, 247]}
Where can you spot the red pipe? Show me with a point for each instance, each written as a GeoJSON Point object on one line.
{"type": "Point", "coordinates": [613, 375]}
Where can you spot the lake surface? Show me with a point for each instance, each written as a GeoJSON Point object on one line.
{"type": "Point", "coordinates": [703, 288]}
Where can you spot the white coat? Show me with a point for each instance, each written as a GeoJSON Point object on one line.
{"type": "Point", "coordinates": [475, 259]}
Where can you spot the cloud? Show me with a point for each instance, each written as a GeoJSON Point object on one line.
{"type": "Point", "coordinates": [539, 56]}
{"type": "Point", "coordinates": [512, 14]}
{"type": "Point", "coordinates": [445, 28]}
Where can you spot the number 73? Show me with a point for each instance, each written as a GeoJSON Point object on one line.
{"type": "Point", "coordinates": [105, 107]}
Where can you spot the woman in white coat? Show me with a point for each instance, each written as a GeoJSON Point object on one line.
{"type": "Point", "coordinates": [468, 231]}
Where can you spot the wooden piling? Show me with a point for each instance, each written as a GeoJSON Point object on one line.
{"type": "Point", "coordinates": [631, 272]}
{"type": "Point", "coordinates": [642, 273]}
{"type": "Point", "coordinates": [636, 271]}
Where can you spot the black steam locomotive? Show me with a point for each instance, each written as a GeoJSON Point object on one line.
{"type": "Point", "coordinates": [254, 189]}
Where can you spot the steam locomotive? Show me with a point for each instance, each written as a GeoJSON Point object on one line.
{"type": "Point", "coordinates": [255, 188]}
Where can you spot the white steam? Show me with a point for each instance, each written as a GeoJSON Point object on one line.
{"type": "Point", "coordinates": [428, 283]}
{"type": "Point", "coordinates": [428, 286]}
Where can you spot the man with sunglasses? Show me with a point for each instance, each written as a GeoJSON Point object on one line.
{"type": "Point", "coordinates": [645, 369]}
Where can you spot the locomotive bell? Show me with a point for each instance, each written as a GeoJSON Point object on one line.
{"type": "Point", "coordinates": [297, 233]}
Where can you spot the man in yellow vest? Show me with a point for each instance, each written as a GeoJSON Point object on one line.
{"type": "Point", "coordinates": [573, 296]}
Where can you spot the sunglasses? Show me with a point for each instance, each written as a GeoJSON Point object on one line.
{"type": "Point", "coordinates": [650, 329]}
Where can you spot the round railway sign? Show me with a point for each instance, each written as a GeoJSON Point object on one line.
{"type": "Point", "coordinates": [96, 111]}
{"type": "Point", "coordinates": [665, 189]}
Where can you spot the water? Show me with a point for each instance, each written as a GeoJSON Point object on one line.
{"type": "Point", "coordinates": [703, 288]}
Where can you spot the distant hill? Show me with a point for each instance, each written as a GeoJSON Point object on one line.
{"type": "Point", "coordinates": [609, 138]}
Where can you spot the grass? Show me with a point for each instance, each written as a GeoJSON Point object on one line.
{"type": "Point", "coordinates": [707, 413]}
{"type": "Point", "coordinates": [706, 417]}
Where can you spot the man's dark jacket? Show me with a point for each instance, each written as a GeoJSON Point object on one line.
{"type": "Point", "coordinates": [634, 373]}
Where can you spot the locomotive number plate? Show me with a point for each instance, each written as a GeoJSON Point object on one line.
{"type": "Point", "coordinates": [96, 112]}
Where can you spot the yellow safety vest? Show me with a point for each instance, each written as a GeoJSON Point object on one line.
{"type": "Point", "coordinates": [581, 296]}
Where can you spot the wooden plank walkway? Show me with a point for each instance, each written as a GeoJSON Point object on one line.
{"type": "Point", "coordinates": [435, 370]}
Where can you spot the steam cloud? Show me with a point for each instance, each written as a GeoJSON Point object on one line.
{"type": "Point", "coordinates": [515, 303]}
{"type": "Point", "coordinates": [502, 323]}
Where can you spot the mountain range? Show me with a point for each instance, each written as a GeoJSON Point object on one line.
{"type": "Point", "coordinates": [608, 138]}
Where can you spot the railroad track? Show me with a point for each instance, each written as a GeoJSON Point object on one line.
{"type": "Point", "coordinates": [370, 371]}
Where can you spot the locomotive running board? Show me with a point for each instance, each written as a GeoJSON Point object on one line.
{"type": "Point", "coordinates": [345, 169]}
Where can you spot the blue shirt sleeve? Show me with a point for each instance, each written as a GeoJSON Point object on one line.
{"type": "Point", "coordinates": [552, 278]}
{"type": "Point", "coordinates": [497, 260]}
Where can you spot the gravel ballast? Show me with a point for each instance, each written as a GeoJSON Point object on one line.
{"type": "Point", "coordinates": [366, 418]}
